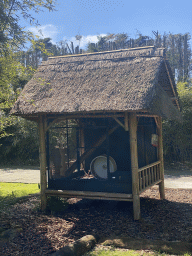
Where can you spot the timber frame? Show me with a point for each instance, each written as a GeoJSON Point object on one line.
{"type": "Point", "coordinates": [142, 178]}
{"type": "Point", "coordinates": [128, 91]}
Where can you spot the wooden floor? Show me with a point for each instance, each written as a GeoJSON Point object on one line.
{"type": "Point", "coordinates": [90, 195]}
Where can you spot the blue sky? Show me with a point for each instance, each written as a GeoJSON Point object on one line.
{"type": "Point", "coordinates": [91, 18]}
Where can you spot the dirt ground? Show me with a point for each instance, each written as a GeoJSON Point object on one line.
{"type": "Point", "coordinates": [41, 234]}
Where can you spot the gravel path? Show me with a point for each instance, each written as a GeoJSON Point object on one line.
{"type": "Point", "coordinates": [173, 178]}
{"type": "Point", "coordinates": [23, 175]}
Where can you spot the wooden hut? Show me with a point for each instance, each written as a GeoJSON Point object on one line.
{"type": "Point", "coordinates": [110, 104]}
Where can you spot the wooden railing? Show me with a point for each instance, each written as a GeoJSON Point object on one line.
{"type": "Point", "coordinates": [149, 175]}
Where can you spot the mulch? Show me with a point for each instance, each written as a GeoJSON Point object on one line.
{"type": "Point", "coordinates": [43, 234]}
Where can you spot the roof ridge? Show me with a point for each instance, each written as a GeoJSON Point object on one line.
{"type": "Point", "coordinates": [104, 52]}
{"type": "Point", "coordinates": [124, 57]}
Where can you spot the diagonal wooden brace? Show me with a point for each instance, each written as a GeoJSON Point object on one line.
{"type": "Point", "coordinates": [89, 152]}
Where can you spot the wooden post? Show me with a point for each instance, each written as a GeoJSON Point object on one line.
{"type": "Point", "coordinates": [126, 122]}
{"type": "Point", "coordinates": [82, 145]}
{"type": "Point", "coordinates": [160, 158]}
{"type": "Point", "coordinates": [134, 166]}
{"type": "Point", "coordinates": [42, 155]}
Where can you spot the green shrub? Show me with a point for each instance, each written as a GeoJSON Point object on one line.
{"type": "Point", "coordinates": [56, 204]}
{"type": "Point", "coordinates": [177, 136]}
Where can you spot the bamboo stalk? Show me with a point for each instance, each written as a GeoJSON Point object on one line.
{"type": "Point", "coordinates": [126, 122]}
{"type": "Point", "coordinates": [82, 145]}
{"type": "Point", "coordinates": [43, 179]}
{"type": "Point", "coordinates": [149, 175]}
{"type": "Point", "coordinates": [134, 165]}
{"type": "Point", "coordinates": [148, 166]}
{"type": "Point", "coordinates": [140, 181]}
{"type": "Point", "coordinates": [155, 173]}
{"type": "Point", "coordinates": [144, 180]}
{"type": "Point", "coordinates": [152, 184]}
{"type": "Point", "coordinates": [158, 172]}
{"type": "Point", "coordinates": [90, 194]}
{"type": "Point", "coordinates": [152, 174]}
{"type": "Point", "coordinates": [160, 156]}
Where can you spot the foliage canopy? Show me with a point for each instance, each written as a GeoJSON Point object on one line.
{"type": "Point", "coordinates": [178, 135]}
{"type": "Point", "coordinates": [11, 12]}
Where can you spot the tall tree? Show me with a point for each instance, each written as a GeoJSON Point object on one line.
{"type": "Point", "coordinates": [178, 135]}
{"type": "Point", "coordinates": [177, 47]}
{"type": "Point", "coordinates": [178, 52]}
{"type": "Point", "coordinates": [121, 40]}
{"type": "Point", "coordinates": [13, 75]}
{"type": "Point", "coordinates": [11, 11]}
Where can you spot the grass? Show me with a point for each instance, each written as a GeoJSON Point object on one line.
{"type": "Point", "coordinates": [11, 192]}
{"type": "Point", "coordinates": [119, 252]}
{"type": "Point", "coordinates": [114, 253]}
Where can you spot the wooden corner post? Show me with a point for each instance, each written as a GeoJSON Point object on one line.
{"type": "Point", "coordinates": [134, 166]}
{"type": "Point", "coordinates": [160, 157]}
{"type": "Point", "coordinates": [43, 163]}
{"type": "Point", "coordinates": [82, 144]}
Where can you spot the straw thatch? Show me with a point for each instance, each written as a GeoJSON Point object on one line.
{"type": "Point", "coordinates": [124, 80]}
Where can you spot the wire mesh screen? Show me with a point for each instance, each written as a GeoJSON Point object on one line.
{"type": "Point", "coordinates": [62, 148]}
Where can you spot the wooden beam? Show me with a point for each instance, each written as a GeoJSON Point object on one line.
{"type": "Point", "coordinates": [126, 122]}
{"type": "Point", "coordinates": [160, 157]}
{"type": "Point", "coordinates": [171, 83]}
{"type": "Point", "coordinates": [57, 120]}
{"type": "Point", "coordinates": [151, 185]}
{"type": "Point", "coordinates": [43, 163]}
{"type": "Point", "coordinates": [148, 166]}
{"type": "Point", "coordinates": [146, 115]}
{"type": "Point", "coordinates": [134, 165]}
{"type": "Point", "coordinates": [91, 151]}
{"type": "Point", "coordinates": [119, 122]}
{"type": "Point", "coordinates": [90, 195]}
{"type": "Point", "coordinates": [82, 145]}
{"type": "Point", "coordinates": [79, 116]}
{"type": "Point", "coordinates": [86, 115]}
{"type": "Point", "coordinates": [157, 123]}
{"type": "Point", "coordinates": [96, 53]}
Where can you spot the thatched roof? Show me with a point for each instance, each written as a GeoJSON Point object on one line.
{"type": "Point", "coordinates": [137, 79]}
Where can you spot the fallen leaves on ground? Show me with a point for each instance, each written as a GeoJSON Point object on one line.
{"type": "Point", "coordinates": [41, 234]}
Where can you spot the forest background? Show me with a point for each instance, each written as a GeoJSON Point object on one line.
{"type": "Point", "coordinates": [19, 137]}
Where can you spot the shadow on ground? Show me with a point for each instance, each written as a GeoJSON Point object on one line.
{"type": "Point", "coordinates": [165, 220]}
